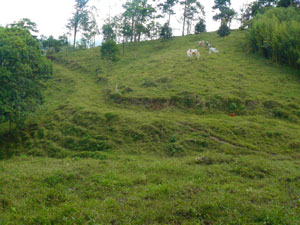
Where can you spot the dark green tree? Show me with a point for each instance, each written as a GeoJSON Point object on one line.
{"type": "Point", "coordinates": [286, 3]}
{"type": "Point", "coordinates": [21, 70]}
{"type": "Point", "coordinates": [166, 32]}
{"type": "Point", "coordinates": [108, 32]}
{"type": "Point", "coordinates": [224, 30]}
{"type": "Point", "coordinates": [110, 52]}
{"type": "Point", "coordinates": [200, 27]}
{"type": "Point", "coordinates": [225, 13]}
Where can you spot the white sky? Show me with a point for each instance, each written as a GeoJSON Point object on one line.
{"type": "Point", "coordinates": [51, 16]}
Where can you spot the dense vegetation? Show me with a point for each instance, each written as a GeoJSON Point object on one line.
{"type": "Point", "coordinates": [22, 68]}
{"type": "Point", "coordinates": [276, 34]}
{"type": "Point", "coordinates": [214, 141]}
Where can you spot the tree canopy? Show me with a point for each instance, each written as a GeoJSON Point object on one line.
{"type": "Point", "coordinates": [21, 70]}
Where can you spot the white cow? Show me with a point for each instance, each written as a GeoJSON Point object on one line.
{"type": "Point", "coordinates": [193, 52]}
{"type": "Point", "coordinates": [213, 50]}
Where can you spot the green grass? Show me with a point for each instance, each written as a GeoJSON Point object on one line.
{"type": "Point", "coordinates": [163, 149]}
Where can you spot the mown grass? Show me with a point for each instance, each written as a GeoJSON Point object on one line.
{"type": "Point", "coordinates": [163, 149]}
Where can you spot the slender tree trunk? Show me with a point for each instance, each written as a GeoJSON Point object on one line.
{"type": "Point", "coordinates": [132, 27]}
{"type": "Point", "coordinates": [184, 17]}
{"type": "Point", "coordinates": [169, 21]}
{"type": "Point", "coordinates": [134, 47]}
{"type": "Point", "coordinates": [123, 49]}
{"type": "Point", "coordinates": [75, 33]}
{"type": "Point", "coordinates": [134, 36]}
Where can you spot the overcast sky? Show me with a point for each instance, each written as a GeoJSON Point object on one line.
{"type": "Point", "coordinates": [51, 16]}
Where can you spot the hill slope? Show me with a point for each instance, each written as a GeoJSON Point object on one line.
{"type": "Point", "coordinates": [161, 148]}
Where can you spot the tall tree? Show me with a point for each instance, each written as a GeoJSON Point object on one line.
{"type": "Point", "coordinates": [192, 8]}
{"type": "Point", "coordinates": [126, 31]}
{"type": "Point", "coordinates": [139, 11]}
{"type": "Point", "coordinates": [90, 27]}
{"type": "Point", "coordinates": [79, 18]}
{"type": "Point", "coordinates": [225, 14]}
{"type": "Point", "coordinates": [21, 70]}
{"type": "Point", "coordinates": [167, 7]}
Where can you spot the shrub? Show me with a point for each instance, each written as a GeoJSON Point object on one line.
{"type": "Point", "coordinates": [200, 27]}
{"type": "Point", "coordinates": [276, 35]}
{"type": "Point", "coordinates": [224, 30]}
{"type": "Point", "coordinates": [166, 32]}
{"type": "Point", "coordinates": [233, 107]}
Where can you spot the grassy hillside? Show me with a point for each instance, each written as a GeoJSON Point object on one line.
{"type": "Point", "coordinates": [163, 148]}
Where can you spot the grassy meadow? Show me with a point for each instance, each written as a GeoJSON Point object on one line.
{"type": "Point", "coordinates": [162, 139]}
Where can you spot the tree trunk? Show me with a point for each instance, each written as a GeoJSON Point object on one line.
{"type": "Point", "coordinates": [169, 21]}
{"type": "Point", "coordinates": [75, 33]}
{"type": "Point", "coordinates": [134, 47]}
{"type": "Point", "coordinates": [132, 29]}
{"type": "Point", "coordinates": [184, 16]}
{"type": "Point", "coordinates": [123, 49]}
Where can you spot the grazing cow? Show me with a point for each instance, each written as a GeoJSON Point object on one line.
{"type": "Point", "coordinates": [208, 45]}
{"type": "Point", "coordinates": [193, 52]}
{"type": "Point", "coordinates": [200, 43]}
{"type": "Point", "coordinates": [213, 50]}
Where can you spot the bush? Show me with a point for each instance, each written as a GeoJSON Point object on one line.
{"type": "Point", "coordinates": [276, 35]}
{"type": "Point", "coordinates": [200, 27]}
{"type": "Point", "coordinates": [224, 30]}
{"type": "Point", "coordinates": [166, 32]}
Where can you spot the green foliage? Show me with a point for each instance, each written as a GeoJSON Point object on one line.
{"type": "Point", "coordinates": [22, 68]}
{"type": "Point", "coordinates": [25, 24]}
{"type": "Point", "coordinates": [108, 32]}
{"type": "Point", "coordinates": [225, 14]}
{"type": "Point", "coordinates": [233, 107]}
{"type": "Point", "coordinates": [275, 34]}
{"type": "Point", "coordinates": [200, 27]}
{"type": "Point", "coordinates": [53, 45]}
{"type": "Point", "coordinates": [79, 19]}
{"type": "Point", "coordinates": [167, 8]}
{"type": "Point", "coordinates": [166, 32]}
{"type": "Point", "coordinates": [285, 3]}
{"type": "Point", "coordinates": [224, 30]}
{"type": "Point", "coordinates": [110, 51]}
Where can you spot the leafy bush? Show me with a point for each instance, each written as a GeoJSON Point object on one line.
{"type": "Point", "coordinates": [224, 30]}
{"type": "Point", "coordinates": [166, 32]}
{"type": "Point", "coordinates": [200, 27]}
{"type": "Point", "coordinates": [276, 34]}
